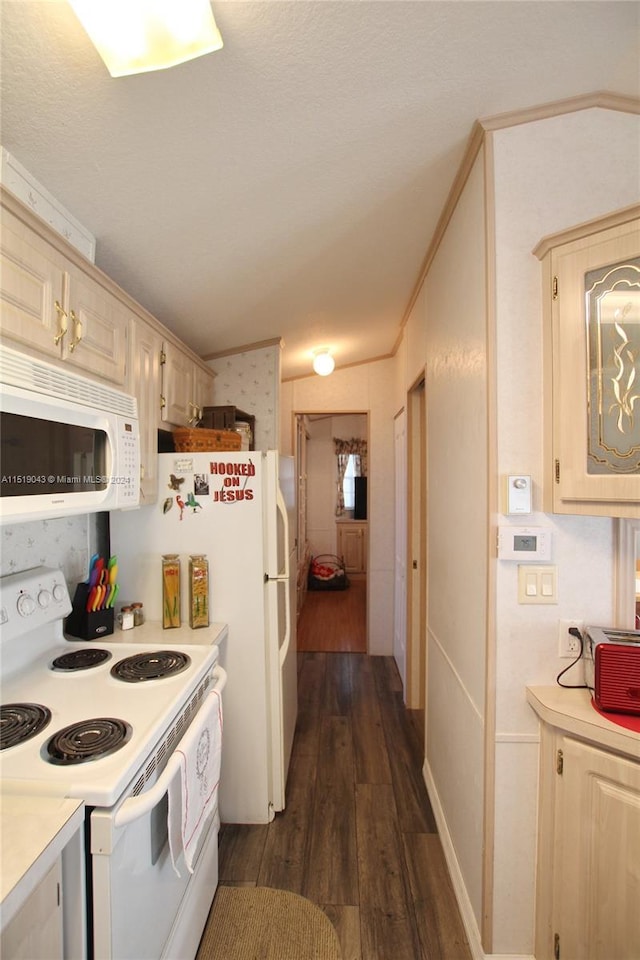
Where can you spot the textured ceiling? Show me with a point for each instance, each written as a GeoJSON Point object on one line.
{"type": "Point", "coordinates": [289, 185]}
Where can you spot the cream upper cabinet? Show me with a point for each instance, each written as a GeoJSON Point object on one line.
{"type": "Point", "coordinates": [97, 327]}
{"type": "Point", "coordinates": [352, 545]}
{"type": "Point", "coordinates": [144, 381]}
{"type": "Point", "coordinates": [186, 387]}
{"type": "Point", "coordinates": [32, 288]}
{"type": "Point", "coordinates": [52, 306]}
{"type": "Point", "coordinates": [203, 387]}
{"type": "Point", "coordinates": [592, 367]}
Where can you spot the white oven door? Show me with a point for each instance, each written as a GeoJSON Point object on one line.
{"type": "Point", "coordinates": [141, 909]}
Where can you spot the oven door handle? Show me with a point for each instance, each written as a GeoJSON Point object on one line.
{"type": "Point", "coordinates": [135, 807]}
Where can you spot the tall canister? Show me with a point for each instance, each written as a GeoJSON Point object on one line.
{"type": "Point", "coordinates": [170, 590]}
{"type": "Point", "coordinates": [198, 591]}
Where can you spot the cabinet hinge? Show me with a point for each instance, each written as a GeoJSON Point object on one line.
{"type": "Point", "coordinates": [559, 762]}
{"type": "Point", "coordinates": [58, 893]}
{"type": "Point", "coordinates": [163, 402]}
{"type": "Point", "coordinates": [554, 288]}
{"type": "Point", "coordinates": [163, 358]}
{"type": "Point", "coordinates": [556, 946]}
{"type": "Point", "coordinates": [557, 470]}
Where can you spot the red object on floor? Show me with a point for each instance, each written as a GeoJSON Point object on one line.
{"type": "Point", "coordinates": [622, 719]}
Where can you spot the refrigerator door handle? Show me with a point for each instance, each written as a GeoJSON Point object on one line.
{"type": "Point", "coordinates": [284, 649]}
{"type": "Point", "coordinates": [281, 507]}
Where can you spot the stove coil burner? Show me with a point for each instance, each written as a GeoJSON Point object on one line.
{"type": "Point", "coordinates": [21, 721]}
{"type": "Point", "coordinates": [81, 659]}
{"type": "Point", "coordinates": [87, 740]}
{"type": "Point", "coordinates": [151, 665]}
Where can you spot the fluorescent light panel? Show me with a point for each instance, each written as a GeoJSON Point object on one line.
{"type": "Point", "coordinates": [136, 36]}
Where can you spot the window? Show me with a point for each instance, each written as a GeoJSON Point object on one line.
{"type": "Point", "coordinates": [351, 456]}
{"type": "Point", "coordinates": [348, 486]}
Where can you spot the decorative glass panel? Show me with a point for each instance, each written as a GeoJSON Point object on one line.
{"type": "Point", "coordinates": [613, 358]}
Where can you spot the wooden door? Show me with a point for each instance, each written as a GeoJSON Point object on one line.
{"type": "Point", "coordinates": [400, 551]}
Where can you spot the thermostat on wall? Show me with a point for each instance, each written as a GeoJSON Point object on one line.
{"type": "Point", "coordinates": [518, 494]}
{"type": "Point", "coordinates": [524, 543]}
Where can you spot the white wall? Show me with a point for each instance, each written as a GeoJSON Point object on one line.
{"type": "Point", "coordinates": [321, 488]}
{"type": "Point", "coordinates": [322, 476]}
{"type": "Point", "coordinates": [251, 381]}
{"type": "Point", "coordinates": [63, 543]}
{"type": "Point", "coordinates": [457, 550]}
{"type": "Point", "coordinates": [369, 388]}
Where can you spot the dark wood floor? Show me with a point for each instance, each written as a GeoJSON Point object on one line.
{"type": "Point", "coordinates": [358, 836]}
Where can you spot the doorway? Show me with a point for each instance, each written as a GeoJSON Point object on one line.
{"type": "Point", "coordinates": [330, 620]}
{"type": "Point", "coordinates": [416, 547]}
{"type": "Point", "coordinates": [400, 551]}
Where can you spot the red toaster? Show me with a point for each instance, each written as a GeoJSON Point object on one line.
{"type": "Point", "coordinates": [612, 668]}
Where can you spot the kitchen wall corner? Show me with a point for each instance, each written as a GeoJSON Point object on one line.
{"type": "Point", "coordinates": [250, 380]}
{"type": "Point", "coordinates": [63, 543]}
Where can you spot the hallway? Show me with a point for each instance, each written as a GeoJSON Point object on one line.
{"type": "Point", "coordinates": [335, 620]}
{"type": "Point", "coordinates": [358, 835]}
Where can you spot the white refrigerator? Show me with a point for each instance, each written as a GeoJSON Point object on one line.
{"type": "Point", "coordinates": [238, 509]}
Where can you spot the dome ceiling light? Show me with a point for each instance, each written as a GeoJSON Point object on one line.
{"type": "Point", "coordinates": [137, 36]}
{"type": "Point", "coordinates": [323, 362]}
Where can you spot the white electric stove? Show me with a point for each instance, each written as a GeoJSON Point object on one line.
{"type": "Point", "coordinates": [99, 722]}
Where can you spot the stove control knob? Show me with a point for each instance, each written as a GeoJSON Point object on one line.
{"type": "Point", "coordinates": [26, 605]}
{"type": "Point", "coordinates": [44, 598]}
{"type": "Point", "coordinates": [58, 592]}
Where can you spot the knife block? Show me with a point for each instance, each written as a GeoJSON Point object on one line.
{"type": "Point", "coordinates": [88, 625]}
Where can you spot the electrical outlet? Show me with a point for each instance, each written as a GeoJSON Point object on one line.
{"type": "Point", "coordinates": [568, 645]}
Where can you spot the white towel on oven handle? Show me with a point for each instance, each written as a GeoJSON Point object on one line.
{"type": "Point", "coordinates": [193, 791]}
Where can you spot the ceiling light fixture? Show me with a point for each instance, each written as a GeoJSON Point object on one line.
{"type": "Point", "coordinates": [323, 362]}
{"type": "Point", "coordinates": [136, 36]}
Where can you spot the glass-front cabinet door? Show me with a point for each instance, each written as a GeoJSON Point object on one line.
{"type": "Point", "coordinates": [592, 367]}
{"type": "Point", "coordinates": [612, 305]}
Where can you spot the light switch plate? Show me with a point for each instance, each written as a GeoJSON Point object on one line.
{"type": "Point", "coordinates": [537, 584]}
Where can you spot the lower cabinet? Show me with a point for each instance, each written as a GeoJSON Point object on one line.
{"type": "Point", "coordinates": [588, 884]}
{"type": "Point", "coordinates": [35, 932]}
{"type": "Point", "coordinates": [599, 854]}
{"type": "Point", "coordinates": [352, 545]}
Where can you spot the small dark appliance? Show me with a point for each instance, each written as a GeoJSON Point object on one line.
{"type": "Point", "coordinates": [360, 498]}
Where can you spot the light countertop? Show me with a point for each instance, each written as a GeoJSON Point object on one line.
{"type": "Point", "coordinates": [34, 831]}
{"type": "Point", "coordinates": [152, 631]}
{"type": "Point", "coordinates": [572, 711]}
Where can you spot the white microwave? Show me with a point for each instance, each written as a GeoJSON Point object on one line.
{"type": "Point", "coordinates": [68, 445]}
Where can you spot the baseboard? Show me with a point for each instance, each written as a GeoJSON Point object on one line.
{"type": "Point", "coordinates": [464, 904]}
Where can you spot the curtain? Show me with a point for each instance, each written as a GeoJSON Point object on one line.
{"type": "Point", "coordinates": [344, 449]}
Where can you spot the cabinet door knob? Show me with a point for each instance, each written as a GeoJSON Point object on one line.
{"type": "Point", "coordinates": [77, 331]}
{"type": "Point", "coordinates": [62, 323]}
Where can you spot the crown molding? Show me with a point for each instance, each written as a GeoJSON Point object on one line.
{"type": "Point", "coordinates": [601, 99]}
{"type": "Point", "coordinates": [245, 348]}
